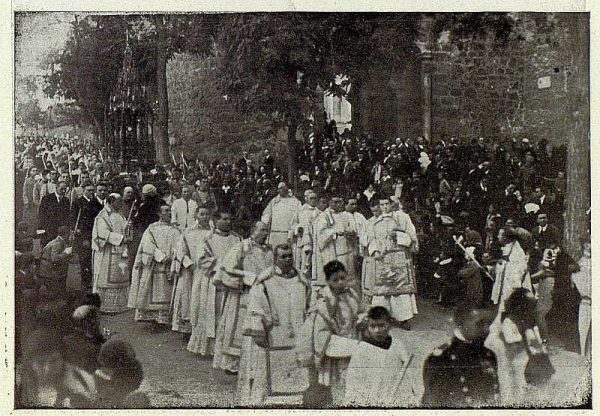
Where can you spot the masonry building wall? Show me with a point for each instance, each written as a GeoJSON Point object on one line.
{"type": "Point", "coordinates": [517, 89]}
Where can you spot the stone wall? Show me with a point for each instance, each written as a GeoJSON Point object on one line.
{"type": "Point", "coordinates": [545, 109]}
{"type": "Point", "coordinates": [389, 103]}
{"type": "Point", "coordinates": [478, 88]}
{"type": "Point", "coordinates": [513, 90]}
{"type": "Point", "coordinates": [477, 92]}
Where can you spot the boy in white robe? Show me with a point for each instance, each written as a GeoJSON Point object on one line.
{"type": "Point", "coordinates": [325, 343]}
{"type": "Point", "coordinates": [378, 373]}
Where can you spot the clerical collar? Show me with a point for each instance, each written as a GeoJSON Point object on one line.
{"type": "Point", "coordinates": [222, 233]}
{"type": "Point", "coordinates": [164, 222]}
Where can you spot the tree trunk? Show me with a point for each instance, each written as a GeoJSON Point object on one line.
{"type": "Point", "coordinates": [291, 144]}
{"type": "Point", "coordinates": [319, 123]}
{"type": "Point", "coordinates": [578, 193]}
{"type": "Point", "coordinates": [161, 136]}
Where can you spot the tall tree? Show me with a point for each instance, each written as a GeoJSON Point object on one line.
{"type": "Point", "coordinates": [88, 66]}
{"type": "Point", "coordinates": [279, 64]}
{"type": "Point", "coordinates": [577, 220]}
{"type": "Point", "coordinates": [162, 130]}
{"type": "Point", "coordinates": [87, 69]}
{"type": "Point", "coordinates": [28, 114]}
{"type": "Point", "coordinates": [272, 64]}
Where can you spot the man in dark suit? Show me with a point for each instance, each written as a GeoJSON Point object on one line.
{"type": "Point", "coordinates": [242, 163]}
{"type": "Point", "coordinates": [55, 210]}
{"type": "Point", "coordinates": [83, 214]}
{"type": "Point", "coordinates": [481, 196]}
{"type": "Point", "coordinates": [545, 234]}
{"type": "Point", "coordinates": [510, 203]}
{"type": "Point", "coordinates": [268, 160]}
{"type": "Point", "coordinates": [224, 194]}
{"type": "Point", "coordinates": [463, 372]}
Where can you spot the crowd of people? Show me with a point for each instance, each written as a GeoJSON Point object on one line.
{"type": "Point", "coordinates": [297, 292]}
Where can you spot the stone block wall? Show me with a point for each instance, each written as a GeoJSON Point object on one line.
{"type": "Point", "coordinates": [544, 109]}
{"type": "Point", "coordinates": [389, 103]}
{"type": "Point", "coordinates": [476, 92]}
{"type": "Point", "coordinates": [491, 90]}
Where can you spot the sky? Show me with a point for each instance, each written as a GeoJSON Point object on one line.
{"type": "Point", "coordinates": [36, 34]}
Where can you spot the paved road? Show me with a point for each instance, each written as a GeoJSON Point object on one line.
{"type": "Point", "coordinates": [175, 377]}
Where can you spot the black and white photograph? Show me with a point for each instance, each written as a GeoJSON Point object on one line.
{"type": "Point", "coordinates": [301, 209]}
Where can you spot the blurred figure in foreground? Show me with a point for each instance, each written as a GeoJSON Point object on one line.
{"type": "Point", "coordinates": [463, 372]}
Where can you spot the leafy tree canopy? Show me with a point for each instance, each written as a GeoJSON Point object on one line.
{"type": "Point", "coordinates": [87, 69]}
{"type": "Point", "coordinates": [277, 63]}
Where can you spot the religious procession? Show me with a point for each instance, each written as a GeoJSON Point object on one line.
{"type": "Point", "coordinates": [377, 262]}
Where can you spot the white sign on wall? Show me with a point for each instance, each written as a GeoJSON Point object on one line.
{"type": "Point", "coordinates": [544, 82]}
